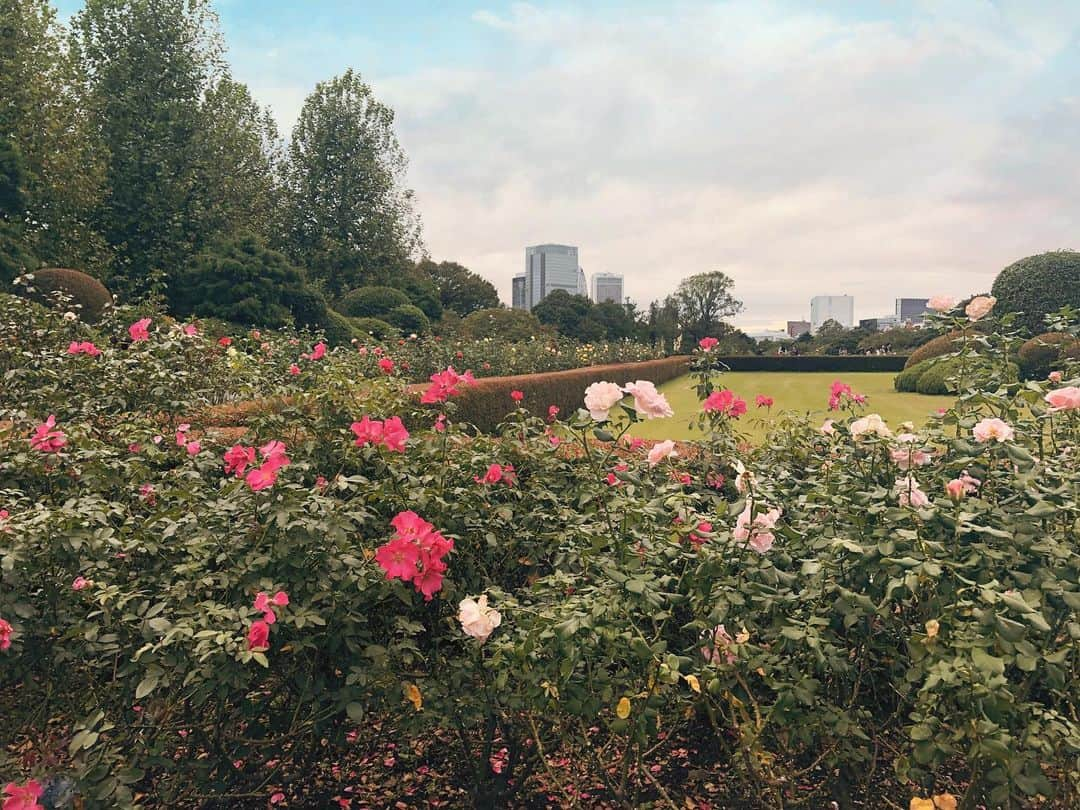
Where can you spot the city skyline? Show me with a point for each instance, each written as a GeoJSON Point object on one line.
{"type": "Point", "coordinates": [883, 149]}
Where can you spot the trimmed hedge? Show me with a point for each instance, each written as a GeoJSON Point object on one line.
{"type": "Point", "coordinates": [408, 318]}
{"type": "Point", "coordinates": [376, 328]}
{"type": "Point", "coordinates": [84, 290]}
{"type": "Point", "coordinates": [488, 402]}
{"type": "Point", "coordinates": [340, 330]}
{"type": "Point", "coordinates": [943, 344]}
{"type": "Point", "coordinates": [371, 302]}
{"type": "Point", "coordinates": [908, 379]}
{"type": "Point", "coordinates": [1038, 285]}
{"type": "Point", "coordinates": [1040, 353]}
{"type": "Point", "coordinates": [814, 362]}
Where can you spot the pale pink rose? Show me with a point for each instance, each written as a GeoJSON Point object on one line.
{"type": "Point", "coordinates": [648, 401]}
{"type": "Point", "coordinates": [827, 427]}
{"type": "Point", "coordinates": [755, 532]}
{"type": "Point", "coordinates": [909, 494]}
{"type": "Point", "coordinates": [660, 451]}
{"type": "Point", "coordinates": [80, 583]}
{"type": "Point", "coordinates": [477, 619]}
{"type": "Point", "coordinates": [601, 397]}
{"type": "Point", "coordinates": [1054, 377]}
{"type": "Point", "coordinates": [871, 423]}
{"type": "Point", "coordinates": [1064, 399]}
{"type": "Point", "coordinates": [956, 489]}
{"type": "Point", "coordinates": [980, 307]}
{"type": "Point", "coordinates": [992, 429]}
{"type": "Point", "coordinates": [941, 303]}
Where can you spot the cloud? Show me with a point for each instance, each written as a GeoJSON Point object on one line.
{"type": "Point", "coordinates": [801, 151]}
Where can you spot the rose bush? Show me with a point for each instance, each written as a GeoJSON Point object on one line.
{"type": "Point", "coordinates": [841, 599]}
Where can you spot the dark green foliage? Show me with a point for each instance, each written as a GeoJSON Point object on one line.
{"type": "Point", "coordinates": [422, 292]}
{"type": "Point", "coordinates": [308, 307]}
{"type": "Point", "coordinates": [703, 301]}
{"type": "Point", "coordinates": [570, 315]}
{"type": "Point", "coordinates": [460, 289]}
{"type": "Point", "coordinates": [15, 257]}
{"type": "Point", "coordinates": [813, 362]}
{"type": "Point", "coordinates": [908, 379]}
{"type": "Point", "coordinates": [239, 280]}
{"type": "Point", "coordinates": [1038, 285]}
{"type": "Point", "coordinates": [339, 330]}
{"type": "Point", "coordinates": [375, 328]}
{"type": "Point", "coordinates": [510, 325]}
{"type": "Point", "coordinates": [943, 344]}
{"type": "Point", "coordinates": [408, 319]}
{"type": "Point", "coordinates": [935, 378]}
{"type": "Point", "coordinates": [371, 302]}
{"type": "Point", "coordinates": [86, 292]}
{"type": "Point", "coordinates": [1038, 355]}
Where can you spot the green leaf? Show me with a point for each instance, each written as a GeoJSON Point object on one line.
{"type": "Point", "coordinates": [147, 685]}
{"type": "Point", "coordinates": [985, 662]}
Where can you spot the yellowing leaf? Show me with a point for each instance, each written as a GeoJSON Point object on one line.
{"type": "Point", "coordinates": [945, 801]}
{"type": "Point", "coordinates": [413, 695]}
{"type": "Point", "coordinates": [693, 683]}
{"type": "Point", "coordinates": [921, 804]}
{"type": "Point", "coordinates": [932, 628]}
{"type": "Point", "coordinates": [742, 636]}
{"type": "Point", "coordinates": [622, 710]}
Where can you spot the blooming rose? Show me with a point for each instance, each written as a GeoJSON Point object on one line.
{"type": "Point", "coordinates": [83, 347]}
{"type": "Point", "coordinates": [139, 330]}
{"type": "Point", "coordinates": [225, 341]}
{"type": "Point", "coordinates": [601, 397]}
{"type": "Point", "coordinates": [707, 343]}
{"type": "Point", "coordinates": [386, 364]}
{"type": "Point", "coordinates": [294, 369]}
{"type": "Point", "coordinates": [871, 423]}
{"type": "Point", "coordinates": [47, 440]}
{"type": "Point", "coordinates": [258, 636]}
{"type": "Point", "coordinates": [1064, 399]}
{"type": "Point", "coordinates": [444, 384]}
{"type": "Point", "coordinates": [23, 797]}
{"type": "Point", "coordinates": [415, 553]}
{"type": "Point", "coordinates": [995, 429]}
{"type": "Point", "coordinates": [5, 635]}
{"type": "Point", "coordinates": [1054, 377]}
{"type": "Point", "coordinates": [517, 396]}
{"type": "Point", "coordinates": [755, 532]}
{"type": "Point", "coordinates": [909, 493]}
{"type": "Point", "coordinates": [319, 352]}
{"type": "Point", "coordinates": [477, 619]}
{"type": "Point", "coordinates": [497, 473]}
{"type": "Point", "coordinates": [649, 401]}
{"type": "Point", "coordinates": [80, 583]}
{"type": "Point", "coordinates": [660, 451]}
{"type": "Point", "coordinates": [979, 307]}
{"type": "Point", "coordinates": [724, 402]}
{"type": "Point", "coordinates": [190, 329]}
{"type": "Point", "coordinates": [238, 458]}
{"type": "Point", "coordinates": [941, 303]}
{"type": "Point", "coordinates": [763, 401]}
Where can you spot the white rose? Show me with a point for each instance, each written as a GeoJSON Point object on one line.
{"type": "Point", "coordinates": [477, 619]}
{"type": "Point", "coordinates": [601, 397]}
{"type": "Point", "coordinates": [871, 423]}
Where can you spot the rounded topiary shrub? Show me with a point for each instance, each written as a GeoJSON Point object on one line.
{"type": "Point", "coordinates": [88, 295]}
{"type": "Point", "coordinates": [308, 307]}
{"type": "Point", "coordinates": [908, 379]}
{"type": "Point", "coordinates": [375, 327]}
{"type": "Point", "coordinates": [1037, 286]}
{"type": "Point", "coordinates": [371, 302]}
{"type": "Point", "coordinates": [945, 344]}
{"type": "Point", "coordinates": [340, 330]}
{"type": "Point", "coordinates": [1038, 355]}
{"type": "Point", "coordinates": [238, 280]}
{"type": "Point", "coordinates": [408, 318]}
{"type": "Point", "coordinates": [935, 377]}
{"type": "Point", "coordinates": [505, 324]}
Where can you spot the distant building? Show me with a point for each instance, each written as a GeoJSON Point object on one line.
{"type": "Point", "coordinates": [769, 334]}
{"type": "Point", "coordinates": [912, 310]}
{"type": "Point", "coordinates": [796, 328]}
{"type": "Point", "coordinates": [839, 308]}
{"type": "Point", "coordinates": [582, 286]}
{"type": "Point", "coordinates": [607, 287]}
{"type": "Point", "coordinates": [518, 292]}
{"type": "Point", "coordinates": [880, 324]}
{"type": "Point", "coordinates": [549, 268]}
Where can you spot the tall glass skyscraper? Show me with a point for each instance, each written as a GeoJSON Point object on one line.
{"type": "Point", "coordinates": [607, 287]}
{"type": "Point", "coordinates": [549, 268]}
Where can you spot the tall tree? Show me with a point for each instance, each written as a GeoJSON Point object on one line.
{"type": "Point", "coordinates": [15, 258]}
{"type": "Point", "coordinates": [704, 300]}
{"type": "Point", "coordinates": [43, 116]}
{"type": "Point", "coordinates": [460, 289]}
{"type": "Point", "coordinates": [148, 64]}
{"type": "Point", "coordinates": [350, 218]}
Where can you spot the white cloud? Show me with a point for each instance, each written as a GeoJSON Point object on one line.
{"type": "Point", "coordinates": [799, 151]}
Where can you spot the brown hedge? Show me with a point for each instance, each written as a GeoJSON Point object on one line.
{"type": "Point", "coordinates": [1040, 353]}
{"type": "Point", "coordinates": [488, 402]}
{"type": "Point", "coordinates": [945, 344]}
{"type": "Point", "coordinates": [85, 290]}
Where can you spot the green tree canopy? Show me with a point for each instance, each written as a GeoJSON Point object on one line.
{"type": "Point", "coordinates": [460, 289]}
{"type": "Point", "coordinates": [1037, 286]}
{"type": "Point", "coordinates": [704, 300]}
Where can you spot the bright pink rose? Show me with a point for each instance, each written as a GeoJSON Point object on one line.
{"type": "Point", "coordinates": [394, 434]}
{"type": "Point", "coordinates": [319, 352]}
{"type": "Point", "coordinates": [147, 494]}
{"type": "Point", "coordinates": [444, 384]}
{"type": "Point", "coordinates": [367, 431]}
{"type": "Point", "coordinates": [992, 429]}
{"type": "Point", "coordinates": [281, 599]}
{"type": "Point", "coordinates": [261, 478]}
{"type": "Point", "coordinates": [1054, 377]}
{"type": "Point", "coordinates": [553, 412]}
{"type": "Point", "coordinates": [273, 454]}
{"type": "Point", "coordinates": [725, 403]}
{"type": "Point", "coordinates": [399, 558]}
{"type": "Point", "coordinates": [193, 448]}
{"type": "Point", "coordinates": [47, 440]}
{"type": "Point", "coordinates": [440, 423]}
{"type": "Point", "coordinates": [387, 365]}
{"type": "Point", "coordinates": [1064, 399]}
{"type": "Point", "coordinates": [497, 473]}
{"type": "Point", "coordinates": [80, 583]}
{"type": "Point", "coordinates": [23, 797]}
{"type": "Point", "coordinates": [294, 369]}
{"type": "Point", "coordinates": [5, 635]}
{"type": "Point", "coordinates": [697, 536]}
{"type": "Point", "coordinates": [648, 401]}
{"type": "Point", "coordinates": [225, 341]}
{"type": "Point", "coordinates": [708, 343]}
{"type": "Point", "coordinates": [517, 396]}
{"type": "Point", "coordinates": [415, 553]}
{"type": "Point", "coordinates": [83, 347]}
{"type": "Point", "coordinates": [840, 393]}
{"type": "Point", "coordinates": [258, 636]}
{"type": "Point", "coordinates": [191, 330]}
{"type": "Point", "coordinates": [139, 330]}
{"type": "Point", "coordinates": [763, 401]}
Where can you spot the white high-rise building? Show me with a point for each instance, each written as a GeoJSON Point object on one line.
{"type": "Point", "coordinates": [549, 268]}
{"type": "Point", "coordinates": [839, 308]}
{"type": "Point", "coordinates": [607, 287]}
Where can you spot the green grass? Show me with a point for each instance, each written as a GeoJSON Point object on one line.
{"type": "Point", "coordinates": [802, 392]}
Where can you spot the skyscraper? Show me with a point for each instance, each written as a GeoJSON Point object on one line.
{"type": "Point", "coordinates": [839, 308]}
{"type": "Point", "coordinates": [549, 268]}
{"type": "Point", "coordinates": [607, 287]}
{"type": "Point", "coordinates": [912, 310]}
{"type": "Point", "coordinates": [517, 292]}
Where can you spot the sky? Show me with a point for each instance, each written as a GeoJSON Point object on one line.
{"type": "Point", "coordinates": [878, 150]}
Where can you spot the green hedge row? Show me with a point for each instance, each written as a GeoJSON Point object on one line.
{"type": "Point", "coordinates": [814, 362]}
{"type": "Point", "coordinates": [488, 402]}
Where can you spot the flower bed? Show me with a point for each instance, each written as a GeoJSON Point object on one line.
{"type": "Point", "coordinates": [361, 591]}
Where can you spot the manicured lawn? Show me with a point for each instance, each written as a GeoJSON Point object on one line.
{"type": "Point", "coordinates": [806, 391]}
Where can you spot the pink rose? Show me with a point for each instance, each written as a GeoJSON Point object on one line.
{"type": "Point", "coordinates": [139, 330]}
{"type": "Point", "coordinates": [660, 451]}
{"type": "Point", "coordinates": [80, 583]}
{"type": "Point", "coordinates": [1054, 377]}
{"type": "Point", "coordinates": [258, 636]}
{"type": "Point", "coordinates": [992, 429]}
{"type": "Point", "coordinates": [941, 303]}
{"type": "Point", "coordinates": [955, 489]}
{"type": "Point", "coordinates": [649, 401]}
{"type": "Point", "coordinates": [600, 398]}
{"type": "Point", "coordinates": [5, 635]}
{"type": "Point", "coordinates": [386, 364]}
{"type": "Point", "coordinates": [763, 401]}
{"type": "Point", "coordinates": [517, 396]}
{"type": "Point", "coordinates": [980, 307]}
{"type": "Point", "coordinates": [1064, 399]}
{"type": "Point", "coordinates": [47, 440]}
{"type": "Point", "coordinates": [294, 369]}
{"type": "Point", "coordinates": [708, 343]}
{"type": "Point", "coordinates": [909, 494]}
{"type": "Point", "coordinates": [23, 797]}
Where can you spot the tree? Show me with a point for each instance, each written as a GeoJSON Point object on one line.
{"type": "Point", "coordinates": [15, 258]}
{"type": "Point", "coordinates": [421, 290]}
{"type": "Point", "coordinates": [149, 64]}
{"type": "Point", "coordinates": [663, 323]}
{"type": "Point", "coordinates": [571, 315]}
{"type": "Point", "coordinates": [460, 289]}
{"type": "Point", "coordinates": [349, 218]}
{"type": "Point", "coordinates": [617, 320]}
{"type": "Point", "coordinates": [511, 325]}
{"type": "Point", "coordinates": [43, 113]}
{"type": "Point", "coordinates": [704, 300]}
